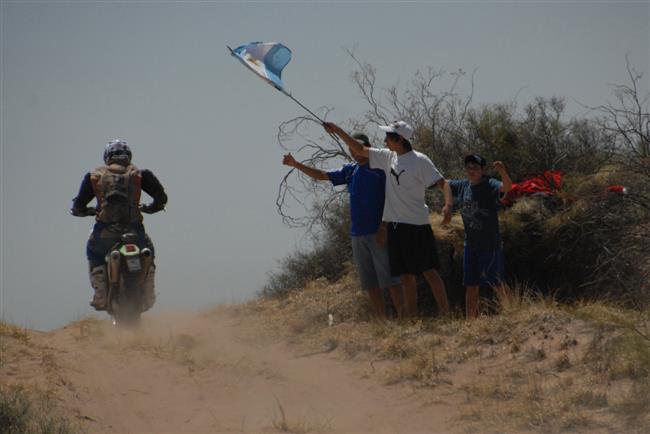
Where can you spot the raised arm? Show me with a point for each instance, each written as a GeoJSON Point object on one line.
{"type": "Point", "coordinates": [355, 147]}
{"type": "Point", "coordinates": [443, 185]}
{"type": "Point", "coordinates": [506, 185]}
{"type": "Point", "coordinates": [312, 172]}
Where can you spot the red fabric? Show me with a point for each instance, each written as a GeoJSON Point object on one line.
{"type": "Point", "coordinates": [547, 183]}
{"type": "Point", "coordinates": [617, 189]}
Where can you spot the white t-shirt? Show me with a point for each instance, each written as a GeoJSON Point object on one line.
{"type": "Point", "coordinates": [407, 178]}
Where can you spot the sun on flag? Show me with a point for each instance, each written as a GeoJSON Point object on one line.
{"type": "Point", "coordinates": [266, 59]}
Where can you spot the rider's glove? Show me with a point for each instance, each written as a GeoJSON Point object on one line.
{"type": "Point", "coordinates": [150, 209]}
{"type": "Point", "coordinates": [79, 212]}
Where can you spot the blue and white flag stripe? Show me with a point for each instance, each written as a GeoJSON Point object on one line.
{"type": "Point", "coordinates": [266, 59]}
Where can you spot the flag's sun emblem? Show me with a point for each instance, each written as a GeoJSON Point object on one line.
{"type": "Point", "coordinates": [251, 59]}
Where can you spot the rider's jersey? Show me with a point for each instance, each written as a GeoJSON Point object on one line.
{"type": "Point", "coordinates": [117, 190]}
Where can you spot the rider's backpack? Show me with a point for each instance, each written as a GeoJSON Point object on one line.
{"type": "Point", "coordinates": [118, 190]}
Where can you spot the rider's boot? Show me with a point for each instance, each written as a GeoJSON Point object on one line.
{"type": "Point", "coordinates": [99, 282]}
{"type": "Point", "coordinates": [148, 293]}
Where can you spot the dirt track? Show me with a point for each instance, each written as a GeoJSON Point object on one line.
{"type": "Point", "coordinates": [189, 373]}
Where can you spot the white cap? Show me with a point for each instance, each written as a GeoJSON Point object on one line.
{"type": "Point", "coordinates": [399, 127]}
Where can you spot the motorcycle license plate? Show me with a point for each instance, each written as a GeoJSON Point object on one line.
{"type": "Point", "coordinates": [133, 264]}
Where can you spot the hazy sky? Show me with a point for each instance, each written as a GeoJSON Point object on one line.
{"type": "Point", "coordinates": [77, 73]}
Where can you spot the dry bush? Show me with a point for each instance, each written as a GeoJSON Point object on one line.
{"type": "Point", "coordinates": [587, 243]}
{"type": "Point", "coordinates": [10, 335]}
{"type": "Point", "coordinates": [14, 332]}
{"type": "Point", "coordinates": [22, 411]}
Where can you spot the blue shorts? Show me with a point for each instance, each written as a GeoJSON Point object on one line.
{"type": "Point", "coordinates": [372, 262]}
{"type": "Point", "coordinates": [101, 241]}
{"type": "Point", "coordinates": [482, 267]}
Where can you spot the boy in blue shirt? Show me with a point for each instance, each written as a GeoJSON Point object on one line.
{"type": "Point", "coordinates": [367, 192]}
{"type": "Point", "coordinates": [477, 197]}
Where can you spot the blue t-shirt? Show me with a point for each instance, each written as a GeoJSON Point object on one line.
{"type": "Point", "coordinates": [478, 206]}
{"type": "Point", "coordinates": [367, 193]}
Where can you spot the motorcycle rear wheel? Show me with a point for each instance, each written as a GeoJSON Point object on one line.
{"type": "Point", "coordinates": [126, 315]}
{"type": "Point", "coordinates": [126, 309]}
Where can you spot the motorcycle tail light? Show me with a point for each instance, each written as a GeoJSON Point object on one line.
{"type": "Point", "coordinates": [130, 250]}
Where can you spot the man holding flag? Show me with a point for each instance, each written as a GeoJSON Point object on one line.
{"type": "Point", "coordinates": [411, 245]}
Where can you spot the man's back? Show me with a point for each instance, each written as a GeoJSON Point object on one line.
{"type": "Point", "coordinates": [367, 193]}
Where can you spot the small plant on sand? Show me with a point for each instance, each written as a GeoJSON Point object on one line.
{"type": "Point", "coordinates": [282, 423]}
{"type": "Point", "coordinates": [23, 412]}
{"type": "Point", "coordinates": [14, 332]}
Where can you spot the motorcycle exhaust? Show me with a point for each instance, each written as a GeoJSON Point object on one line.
{"type": "Point", "coordinates": [146, 256]}
{"type": "Point", "coordinates": [114, 267]}
{"type": "Point", "coordinates": [114, 260]}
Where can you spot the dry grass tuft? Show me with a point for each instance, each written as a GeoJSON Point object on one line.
{"type": "Point", "coordinates": [14, 332]}
{"type": "Point", "coordinates": [15, 342]}
{"type": "Point", "coordinates": [23, 411]}
{"type": "Point", "coordinates": [89, 329]}
{"type": "Point", "coordinates": [282, 422]}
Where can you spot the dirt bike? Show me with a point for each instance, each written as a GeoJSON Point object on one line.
{"type": "Point", "coordinates": [127, 265]}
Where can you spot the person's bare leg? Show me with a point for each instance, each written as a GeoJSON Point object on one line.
{"type": "Point", "coordinates": [471, 301]}
{"type": "Point", "coordinates": [377, 301]}
{"type": "Point", "coordinates": [438, 289]}
{"type": "Point", "coordinates": [409, 284]}
{"type": "Point", "coordinates": [397, 295]}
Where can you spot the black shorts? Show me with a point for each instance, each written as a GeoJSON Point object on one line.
{"type": "Point", "coordinates": [411, 249]}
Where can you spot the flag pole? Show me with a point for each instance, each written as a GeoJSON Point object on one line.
{"type": "Point", "coordinates": [336, 139]}
{"type": "Point", "coordinates": [301, 105]}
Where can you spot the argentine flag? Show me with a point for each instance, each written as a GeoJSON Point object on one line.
{"type": "Point", "coordinates": [266, 59]}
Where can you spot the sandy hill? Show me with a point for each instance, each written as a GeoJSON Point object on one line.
{"type": "Point", "coordinates": [280, 366]}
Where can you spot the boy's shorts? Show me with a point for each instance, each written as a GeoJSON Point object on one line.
{"type": "Point", "coordinates": [482, 267]}
{"type": "Point", "coordinates": [411, 249]}
{"type": "Point", "coordinates": [372, 262]}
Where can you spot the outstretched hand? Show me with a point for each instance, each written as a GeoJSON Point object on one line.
{"type": "Point", "coordinates": [446, 215]}
{"type": "Point", "coordinates": [499, 166]}
{"type": "Point", "coordinates": [83, 212]}
{"type": "Point", "coordinates": [330, 127]}
{"type": "Point", "coordinates": [288, 160]}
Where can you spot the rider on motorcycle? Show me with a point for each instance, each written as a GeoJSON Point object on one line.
{"type": "Point", "coordinates": [117, 185]}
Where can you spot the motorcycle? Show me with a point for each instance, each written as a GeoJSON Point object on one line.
{"type": "Point", "coordinates": [127, 265]}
